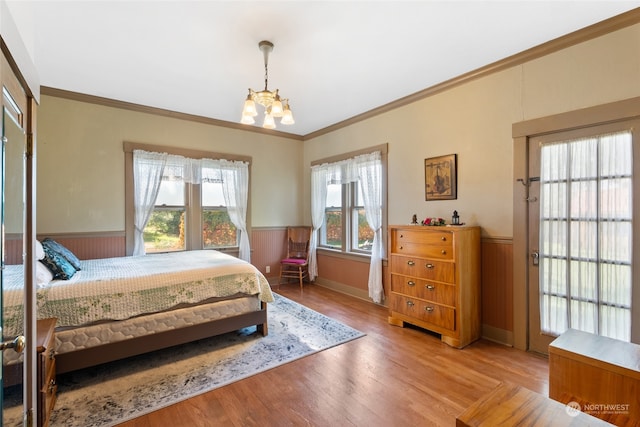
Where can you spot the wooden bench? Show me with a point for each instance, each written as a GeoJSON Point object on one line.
{"type": "Point", "coordinates": [512, 405]}
{"type": "Point", "coordinates": [599, 373]}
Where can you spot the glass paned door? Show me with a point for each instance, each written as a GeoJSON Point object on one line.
{"type": "Point", "coordinates": [585, 234]}
{"type": "Point", "coordinates": [582, 277]}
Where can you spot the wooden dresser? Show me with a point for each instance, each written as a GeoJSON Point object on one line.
{"type": "Point", "coordinates": [46, 369]}
{"type": "Point", "coordinates": [435, 280]}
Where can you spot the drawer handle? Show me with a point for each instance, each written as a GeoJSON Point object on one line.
{"type": "Point", "coordinates": [444, 239]}
{"type": "Point", "coordinates": [401, 248]}
{"type": "Point", "coordinates": [444, 252]}
{"type": "Point", "coordinates": [429, 309]}
{"type": "Point", "coordinates": [402, 235]}
{"type": "Point", "coordinates": [411, 263]}
{"type": "Point", "coordinates": [429, 266]}
{"type": "Point", "coordinates": [410, 304]}
{"type": "Point", "coordinates": [411, 283]}
{"type": "Point", "coordinates": [430, 287]}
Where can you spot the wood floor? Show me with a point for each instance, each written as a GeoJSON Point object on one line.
{"type": "Point", "coordinates": [391, 377]}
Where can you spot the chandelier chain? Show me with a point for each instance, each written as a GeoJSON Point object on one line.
{"type": "Point", "coordinates": [266, 76]}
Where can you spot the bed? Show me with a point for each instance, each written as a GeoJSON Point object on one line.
{"type": "Point", "coordinates": [114, 308]}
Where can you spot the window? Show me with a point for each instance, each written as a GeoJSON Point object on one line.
{"type": "Point", "coordinates": [348, 204]}
{"type": "Point", "coordinates": [345, 224]}
{"type": "Point", "coordinates": [170, 224]}
{"type": "Point", "coordinates": [217, 229]}
{"type": "Point", "coordinates": [164, 231]}
{"type": "Point", "coordinates": [361, 232]}
{"type": "Point", "coordinates": [331, 231]}
{"type": "Point", "coordinates": [183, 203]}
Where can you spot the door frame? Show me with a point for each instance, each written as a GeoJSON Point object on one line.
{"type": "Point", "coordinates": [522, 132]}
{"type": "Point", "coordinates": [20, 86]}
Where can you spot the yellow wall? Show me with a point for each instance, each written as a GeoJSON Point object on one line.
{"type": "Point", "coordinates": [474, 120]}
{"type": "Point", "coordinates": [80, 184]}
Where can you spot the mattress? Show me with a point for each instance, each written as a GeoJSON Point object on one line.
{"type": "Point", "coordinates": [91, 336]}
{"type": "Point", "coordinates": [127, 287]}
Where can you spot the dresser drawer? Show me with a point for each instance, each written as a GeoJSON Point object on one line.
{"type": "Point", "coordinates": [438, 315]}
{"type": "Point", "coordinates": [423, 269]}
{"type": "Point", "coordinates": [437, 244]}
{"type": "Point", "coordinates": [437, 292]}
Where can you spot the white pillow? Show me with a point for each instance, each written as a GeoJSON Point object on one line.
{"type": "Point", "coordinates": [39, 250]}
{"type": "Point", "coordinates": [43, 275]}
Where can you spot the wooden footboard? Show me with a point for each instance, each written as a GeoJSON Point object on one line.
{"type": "Point", "coordinates": [74, 360]}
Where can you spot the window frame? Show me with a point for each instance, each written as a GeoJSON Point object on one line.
{"type": "Point", "coordinates": [193, 215]}
{"type": "Point", "coordinates": [349, 231]}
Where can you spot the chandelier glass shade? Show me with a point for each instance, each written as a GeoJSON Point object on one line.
{"type": "Point", "coordinates": [274, 106]}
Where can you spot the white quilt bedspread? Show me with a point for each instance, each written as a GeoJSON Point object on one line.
{"type": "Point", "coordinates": [120, 288]}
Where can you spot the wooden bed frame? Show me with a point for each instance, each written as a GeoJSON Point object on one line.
{"type": "Point", "coordinates": [92, 356]}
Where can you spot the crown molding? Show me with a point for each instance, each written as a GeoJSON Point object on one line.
{"type": "Point", "coordinates": [598, 29]}
{"type": "Point", "coordinates": [114, 103]}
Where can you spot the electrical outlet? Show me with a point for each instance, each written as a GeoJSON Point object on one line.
{"type": "Point", "coordinates": [268, 269]}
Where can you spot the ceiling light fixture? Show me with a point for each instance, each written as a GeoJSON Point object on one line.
{"type": "Point", "coordinates": [273, 105]}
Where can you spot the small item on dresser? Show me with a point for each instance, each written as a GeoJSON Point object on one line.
{"type": "Point", "coordinates": [414, 220]}
{"type": "Point", "coordinates": [455, 220]}
{"type": "Point", "coordinates": [433, 222]}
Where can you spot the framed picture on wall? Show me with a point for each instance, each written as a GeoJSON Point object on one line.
{"type": "Point", "coordinates": [441, 177]}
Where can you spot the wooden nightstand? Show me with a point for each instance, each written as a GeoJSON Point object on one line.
{"type": "Point", "coordinates": [47, 387]}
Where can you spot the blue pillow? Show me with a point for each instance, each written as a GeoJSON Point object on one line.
{"type": "Point", "coordinates": [57, 264]}
{"type": "Point", "coordinates": [63, 251]}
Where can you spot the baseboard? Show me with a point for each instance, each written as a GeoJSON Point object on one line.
{"type": "Point", "coordinates": [497, 335]}
{"type": "Point", "coordinates": [344, 289]}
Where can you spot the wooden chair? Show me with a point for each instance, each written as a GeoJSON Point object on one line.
{"type": "Point", "coordinates": [296, 263]}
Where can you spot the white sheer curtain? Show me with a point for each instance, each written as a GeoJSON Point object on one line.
{"type": "Point", "coordinates": [370, 173]}
{"type": "Point", "coordinates": [147, 175]}
{"type": "Point", "coordinates": [318, 203]}
{"type": "Point", "coordinates": [149, 169]}
{"type": "Point", "coordinates": [586, 235]}
{"type": "Point", "coordinates": [367, 171]}
{"type": "Point", "coordinates": [235, 187]}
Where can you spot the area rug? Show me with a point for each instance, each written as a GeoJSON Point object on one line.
{"type": "Point", "coordinates": [122, 390]}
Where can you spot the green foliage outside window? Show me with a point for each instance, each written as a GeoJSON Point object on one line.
{"type": "Point", "coordinates": [333, 229]}
{"type": "Point", "coordinates": [333, 226]}
{"type": "Point", "coordinates": [365, 233]}
{"type": "Point", "coordinates": [164, 231]}
{"type": "Point", "coordinates": [218, 230]}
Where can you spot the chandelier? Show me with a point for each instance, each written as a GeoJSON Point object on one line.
{"type": "Point", "coordinates": [273, 105]}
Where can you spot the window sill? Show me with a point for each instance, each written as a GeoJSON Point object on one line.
{"type": "Point", "coordinates": [366, 258]}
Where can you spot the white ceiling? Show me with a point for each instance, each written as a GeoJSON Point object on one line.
{"type": "Point", "coordinates": [332, 59]}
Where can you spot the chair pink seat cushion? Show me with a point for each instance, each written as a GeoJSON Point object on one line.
{"type": "Point", "coordinates": [298, 261]}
